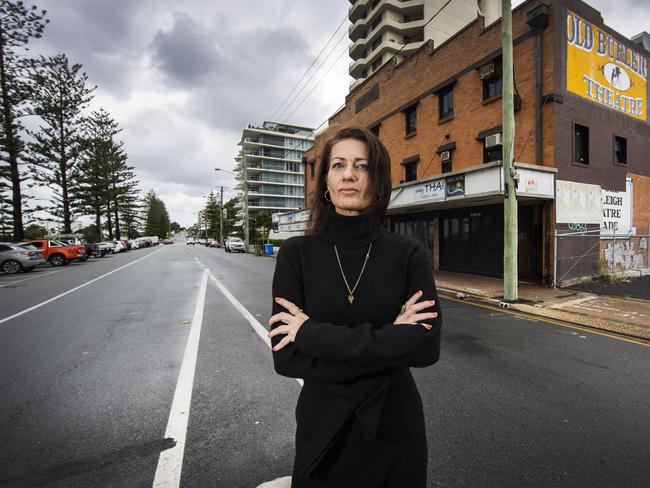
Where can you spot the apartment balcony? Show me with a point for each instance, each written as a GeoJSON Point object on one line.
{"type": "Point", "coordinates": [358, 10]}
{"type": "Point", "coordinates": [257, 181]}
{"type": "Point", "coordinates": [252, 194]}
{"type": "Point", "coordinates": [409, 28]}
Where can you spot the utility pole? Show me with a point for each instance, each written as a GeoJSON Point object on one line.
{"type": "Point", "coordinates": [221, 218]}
{"type": "Point", "coordinates": [510, 278]}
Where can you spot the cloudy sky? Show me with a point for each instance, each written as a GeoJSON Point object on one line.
{"type": "Point", "coordinates": [183, 77]}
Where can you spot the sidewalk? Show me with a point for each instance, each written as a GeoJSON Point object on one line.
{"type": "Point", "coordinates": [629, 316]}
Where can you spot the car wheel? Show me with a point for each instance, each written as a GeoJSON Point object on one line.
{"type": "Point", "coordinates": [57, 260]}
{"type": "Point", "coordinates": [11, 266]}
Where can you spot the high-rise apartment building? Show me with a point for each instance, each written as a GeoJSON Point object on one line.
{"type": "Point", "coordinates": [383, 29]}
{"type": "Point", "coordinates": [271, 168]}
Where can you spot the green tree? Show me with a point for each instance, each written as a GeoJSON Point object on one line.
{"type": "Point", "coordinates": [35, 231]}
{"type": "Point", "coordinates": [212, 209]}
{"type": "Point", "coordinates": [156, 216]}
{"type": "Point", "coordinates": [59, 95]}
{"type": "Point", "coordinates": [18, 24]}
{"type": "Point", "coordinates": [90, 233]}
{"type": "Point", "coordinates": [175, 227]}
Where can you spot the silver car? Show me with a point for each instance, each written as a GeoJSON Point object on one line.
{"type": "Point", "coordinates": [234, 244]}
{"type": "Point", "coordinates": [15, 258]}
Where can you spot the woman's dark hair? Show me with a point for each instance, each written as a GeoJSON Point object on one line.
{"type": "Point", "coordinates": [378, 178]}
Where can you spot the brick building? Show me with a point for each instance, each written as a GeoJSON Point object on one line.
{"type": "Point", "coordinates": [581, 123]}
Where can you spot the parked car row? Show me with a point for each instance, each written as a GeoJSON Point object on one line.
{"type": "Point", "coordinates": [26, 255]}
{"type": "Point", "coordinates": [191, 241]}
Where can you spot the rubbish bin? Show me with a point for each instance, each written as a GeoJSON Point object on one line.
{"type": "Point", "coordinates": [268, 249]}
{"type": "Point", "coordinates": [258, 250]}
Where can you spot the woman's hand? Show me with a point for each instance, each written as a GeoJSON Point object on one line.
{"type": "Point", "coordinates": [292, 320]}
{"type": "Point", "coordinates": [409, 313]}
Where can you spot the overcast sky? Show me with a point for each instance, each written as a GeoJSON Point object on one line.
{"type": "Point", "coordinates": [184, 77]}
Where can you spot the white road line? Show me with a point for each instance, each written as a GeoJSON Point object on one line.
{"type": "Point", "coordinates": [23, 312]}
{"type": "Point", "coordinates": [252, 321]}
{"type": "Point", "coordinates": [170, 463]}
{"type": "Point", "coordinates": [30, 278]}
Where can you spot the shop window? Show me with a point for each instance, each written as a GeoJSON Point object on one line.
{"type": "Point", "coordinates": [492, 76]}
{"type": "Point", "coordinates": [620, 150]}
{"type": "Point", "coordinates": [581, 144]}
{"type": "Point", "coordinates": [446, 102]}
{"type": "Point", "coordinates": [410, 119]}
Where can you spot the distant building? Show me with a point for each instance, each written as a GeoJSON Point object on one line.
{"type": "Point", "coordinates": [382, 29]}
{"type": "Point", "coordinates": [272, 157]}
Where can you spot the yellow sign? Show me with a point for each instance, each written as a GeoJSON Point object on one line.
{"type": "Point", "coordinates": [604, 70]}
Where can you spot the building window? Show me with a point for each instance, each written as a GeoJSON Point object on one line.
{"type": "Point", "coordinates": [446, 163]}
{"type": "Point", "coordinates": [376, 64]}
{"type": "Point", "coordinates": [581, 144]}
{"type": "Point", "coordinates": [492, 79]}
{"type": "Point", "coordinates": [375, 129]}
{"type": "Point", "coordinates": [620, 150]}
{"type": "Point", "coordinates": [410, 118]}
{"type": "Point", "coordinates": [375, 23]}
{"type": "Point", "coordinates": [446, 102]}
{"type": "Point", "coordinates": [493, 153]}
{"type": "Point", "coordinates": [376, 43]}
{"type": "Point", "coordinates": [411, 171]}
{"type": "Point", "coordinates": [410, 168]}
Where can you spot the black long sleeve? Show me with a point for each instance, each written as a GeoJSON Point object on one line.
{"type": "Point", "coordinates": [342, 352]}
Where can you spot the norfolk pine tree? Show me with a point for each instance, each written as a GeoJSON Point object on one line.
{"type": "Point", "coordinates": [18, 24]}
{"type": "Point", "coordinates": [59, 95]}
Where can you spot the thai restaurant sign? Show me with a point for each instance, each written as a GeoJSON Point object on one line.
{"type": "Point", "coordinates": [602, 69]}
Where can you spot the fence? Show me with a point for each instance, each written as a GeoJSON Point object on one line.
{"type": "Point", "coordinates": [586, 254]}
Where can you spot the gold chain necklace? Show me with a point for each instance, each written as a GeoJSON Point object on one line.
{"type": "Point", "coordinates": [351, 292]}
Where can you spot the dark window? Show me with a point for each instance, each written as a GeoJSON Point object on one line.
{"type": "Point", "coordinates": [375, 129]}
{"type": "Point", "coordinates": [581, 144]}
{"type": "Point", "coordinates": [410, 117]}
{"type": "Point", "coordinates": [446, 102]}
{"type": "Point", "coordinates": [490, 154]}
{"type": "Point", "coordinates": [376, 64]}
{"type": "Point", "coordinates": [374, 4]}
{"type": "Point", "coordinates": [411, 171]}
{"type": "Point", "coordinates": [493, 84]}
{"type": "Point", "coordinates": [446, 164]}
{"type": "Point", "coordinates": [620, 150]}
{"type": "Point", "coordinates": [376, 43]}
{"type": "Point", "coordinates": [375, 22]}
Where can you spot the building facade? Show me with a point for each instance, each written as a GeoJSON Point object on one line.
{"type": "Point", "coordinates": [270, 168]}
{"type": "Point", "coordinates": [381, 30]}
{"type": "Point", "coordinates": [582, 130]}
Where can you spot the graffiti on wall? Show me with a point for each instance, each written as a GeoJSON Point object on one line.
{"type": "Point", "coordinates": [627, 255]}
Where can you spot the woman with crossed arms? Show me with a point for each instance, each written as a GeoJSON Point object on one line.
{"type": "Point", "coordinates": [355, 307]}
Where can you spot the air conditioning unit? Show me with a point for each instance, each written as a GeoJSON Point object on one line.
{"type": "Point", "coordinates": [487, 71]}
{"type": "Point", "coordinates": [493, 140]}
{"type": "Point", "coordinates": [445, 156]}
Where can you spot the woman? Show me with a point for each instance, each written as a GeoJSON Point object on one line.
{"type": "Point", "coordinates": [354, 307]}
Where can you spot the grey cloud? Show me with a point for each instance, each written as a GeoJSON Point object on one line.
{"type": "Point", "coordinates": [185, 54]}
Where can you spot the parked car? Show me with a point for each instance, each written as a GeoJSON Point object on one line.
{"type": "Point", "coordinates": [215, 244]}
{"type": "Point", "coordinates": [107, 247]}
{"type": "Point", "coordinates": [234, 244]}
{"type": "Point", "coordinates": [15, 258]}
{"type": "Point", "coordinates": [76, 240]}
{"type": "Point", "coordinates": [56, 253]}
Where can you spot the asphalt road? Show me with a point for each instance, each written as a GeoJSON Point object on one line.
{"type": "Point", "coordinates": [87, 382]}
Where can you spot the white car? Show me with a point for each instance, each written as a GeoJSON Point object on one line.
{"type": "Point", "coordinates": [234, 244]}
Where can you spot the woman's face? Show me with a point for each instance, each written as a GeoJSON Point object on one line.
{"type": "Point", "coordinates": [347, 177]}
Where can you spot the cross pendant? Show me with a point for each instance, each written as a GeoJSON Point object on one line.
{"type": "Point", "coordinates": [350, 298]}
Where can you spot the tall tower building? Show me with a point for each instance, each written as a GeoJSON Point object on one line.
{"type": "Point", "coordinates": [382, 29]}
{"type": "Point", "coordinates": [271, 168]}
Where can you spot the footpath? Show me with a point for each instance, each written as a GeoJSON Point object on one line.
{"type": "Point", "coordinates": [623, 315]}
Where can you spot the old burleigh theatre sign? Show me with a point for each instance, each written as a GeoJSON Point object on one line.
{"type": "Point", "coordinates": [604, 70]}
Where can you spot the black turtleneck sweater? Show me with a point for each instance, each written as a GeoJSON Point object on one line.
{"type": "Point", "coordinates": [341, 342]}
{"type": "Point", "coordinates": [359, 416]}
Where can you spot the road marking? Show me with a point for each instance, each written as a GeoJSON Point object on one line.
{"type": "Point", "coordinates": [170, 463]}
{"type": "Point", "coordinates": [550, 321]}
{"type": "Point", "coordinates": [252, 321]}
{"type": "Point", "coordinates": [30, 278]}
{"type": "Point", "coordinates": [39, 305]}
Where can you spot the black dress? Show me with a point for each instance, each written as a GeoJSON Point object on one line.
{"type": "Point", "coordinates": [359, 414]}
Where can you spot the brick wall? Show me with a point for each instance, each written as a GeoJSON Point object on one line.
{"type": "Point", "coordinates": [640, 203]}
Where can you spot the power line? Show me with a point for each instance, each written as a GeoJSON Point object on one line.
{"type": "Point", "coordinates": [313, 74]}
{"type": "Point", "coordinates": [310, 66]}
